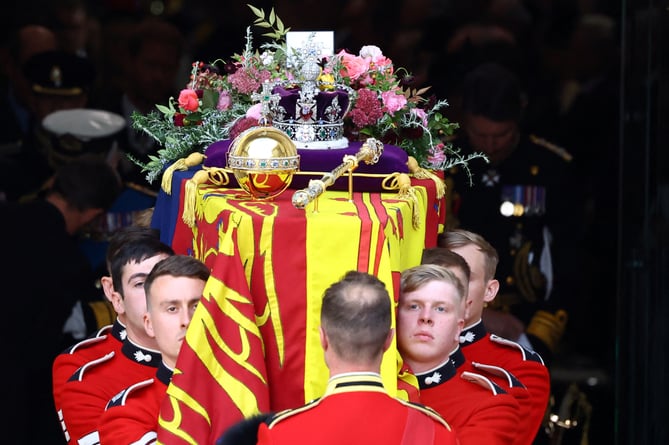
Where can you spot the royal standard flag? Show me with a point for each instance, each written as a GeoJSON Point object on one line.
{"type": "Point", "coordinates": [220, 375]}
{"type": "Point", "coordinates": [253, 343]}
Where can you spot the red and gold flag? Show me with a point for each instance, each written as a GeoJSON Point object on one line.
{"type": "Point", "coordinates": [220, 375]}
{"type": "Point", "coordinates": [253, 343]}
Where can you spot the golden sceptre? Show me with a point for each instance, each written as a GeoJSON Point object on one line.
{"type": "Point", "coordinates": [370, 152]}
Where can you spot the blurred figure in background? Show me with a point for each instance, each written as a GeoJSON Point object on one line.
{"type": "Point", "coordinates": [16, 118]}
{"type": "Point", "coordinates": [526, 203]}
{"type": "Point", "coordinates": [57, 81]}
{"type": "Point", "coordinates": [150, 75]}
{"type": "Point", "coordinates": [78, 31]}
{"type": "Point", "coordinates": [44, 272]}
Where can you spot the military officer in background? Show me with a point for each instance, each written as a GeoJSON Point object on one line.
{"type": "Point", "coordinates": [523, 201]}
{"type": "Point", "coordinates": [57, 81]}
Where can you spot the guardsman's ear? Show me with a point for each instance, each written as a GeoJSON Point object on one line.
{"type": "Point", "coordinates": [117, 302]}
{"type": "Point", "coordinates": [323, 337]}
{"type": "Point", "coordinates": [491, 290]}
{"type": "Point", "coordinates": [107, 287]}
{"type": "Point", "coordinates": [389, 340]}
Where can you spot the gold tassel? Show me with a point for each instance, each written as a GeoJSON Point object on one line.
{"type": "Point", "coordinates": [181, 165]}
{"type": "Point", "coordinates": [420, 173]}
{"type": "Point", "coordinates": [407, 192]}
{"type": "Point", "coordinates": [190, 196]}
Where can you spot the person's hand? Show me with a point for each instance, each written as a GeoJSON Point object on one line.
{"type": "Point", "coordinates": [502, 324]}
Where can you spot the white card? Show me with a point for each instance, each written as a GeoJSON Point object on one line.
{"type": "Point", "coordinates": [323, 41]}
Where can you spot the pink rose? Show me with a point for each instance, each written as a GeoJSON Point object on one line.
{"type": "Point", "coordinates": [224, 101]}
{"type": "Point", "coordinates": [373, 53]}
{"type": "Point", "coordinates": [255, 111]}
{"type": "Point", "coordinates": [436, 154]}
{"type": "Point", "coordinates": [422, 115]}
{"type": "Point", "coordinates": [354, 66]}
{"type": "Point", "coordinates": [393, 102]}
{"type": "Point", "coordinates": [188, 100]}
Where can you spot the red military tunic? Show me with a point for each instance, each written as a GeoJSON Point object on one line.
{"type": "Point", "coordinates": [357, 410]}
{"type": "Point", "coordinates": [132, 415]}
{"type": "Point", "coordinates": [527, 366]}
{"type": "Point", "coordinates": [85, 395]}
{"type": "Point", "coordinates": [479, 410]}
{"type": "Point", "coordinates": [106, 339]}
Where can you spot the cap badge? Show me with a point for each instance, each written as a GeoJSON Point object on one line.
{"type": "Point", "coordinates": [56, 76]}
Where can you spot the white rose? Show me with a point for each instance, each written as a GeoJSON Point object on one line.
{"type": "Point", "coordinates": [371, 51]}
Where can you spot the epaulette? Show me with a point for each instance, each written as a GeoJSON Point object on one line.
{"type": "Point", "coordinates": [526, 353]}
{"type": "Point", "coordinates": [498, 371]}
{"type": "Point", "coordinates": [79, 373]}
{"type": "Point", "coordinates": [285, 414]}
{"type": "Point", "coordinates": [120, 398]}
{"type": "Point", "coordinates": [560, 151]}
{"type": "Point", "coordinates": [85, 343]}
{"type": "Point", "coordinates": [483, 381]}
{"type": "Point", "coordinates": [425, 410]}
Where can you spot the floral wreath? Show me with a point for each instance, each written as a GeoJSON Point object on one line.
{"type": "Point", "coordinates": [221, 100]}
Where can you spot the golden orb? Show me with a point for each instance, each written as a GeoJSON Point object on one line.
{"type": "Point", "coordinates": [263, 159]}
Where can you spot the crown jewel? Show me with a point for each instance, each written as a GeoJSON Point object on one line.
{"type": "Point", "coordinates": [311, 109]}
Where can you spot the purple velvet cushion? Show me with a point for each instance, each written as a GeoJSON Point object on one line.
{"type": "Point", "coordinates": [392, 160]}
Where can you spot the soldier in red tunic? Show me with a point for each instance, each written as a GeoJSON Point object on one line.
{"type": "Point", "coordinates": [529, 415]}
{"type": "Point", "coordinates": [86, 393]}
{"type": "Point", "coordinates": [356, 409]}
{"type": "Point", "coordinates": [480, 346]}
{"type": "Point", "coordinates": [430, 318]}
{"type": "Point", "coordinates": [108, 338]}
{"type": "Point", "coordinates": [173, 289]}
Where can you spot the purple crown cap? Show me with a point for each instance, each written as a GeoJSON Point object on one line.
{"type": "Point", "coordinates": [310, 117]}
{"type": "Point", "coordinates": [331, 106]}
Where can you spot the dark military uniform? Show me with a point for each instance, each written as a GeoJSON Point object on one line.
{"type": "Point", "coordinates": [59, 80]}
{"type": "Point", "coordinates": [527, 208]}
